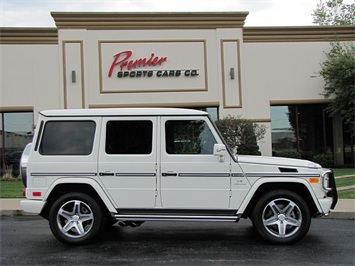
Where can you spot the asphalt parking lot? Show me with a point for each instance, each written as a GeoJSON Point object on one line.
{"type": "Point", "coordinates": [27, 240]}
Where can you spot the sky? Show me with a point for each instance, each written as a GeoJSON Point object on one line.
{"type": "Point", "coordinates": [36, 13]}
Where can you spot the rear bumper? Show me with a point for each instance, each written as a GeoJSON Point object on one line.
{"type": "Point", "coordinates": [32, 206]}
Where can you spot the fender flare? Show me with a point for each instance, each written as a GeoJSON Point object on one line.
{"type": "Point", "coordinates": [83, 181]}
{"type": "Point", "coordinates": [261, 181]}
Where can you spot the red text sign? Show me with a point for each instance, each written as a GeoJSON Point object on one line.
{"type": "Point", "coordinates": [123, 60]}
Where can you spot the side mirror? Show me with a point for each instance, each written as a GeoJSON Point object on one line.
{"type": "Point", "coordinates": [219, 150]}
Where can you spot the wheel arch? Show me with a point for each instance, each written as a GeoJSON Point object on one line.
{"type": "Point", "coordinates": [299, 188]}
{"type": "Point", "coordinates": [89, 187]}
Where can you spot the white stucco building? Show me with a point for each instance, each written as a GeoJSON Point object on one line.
{"type": "Point", "coordinates": [194, 60]}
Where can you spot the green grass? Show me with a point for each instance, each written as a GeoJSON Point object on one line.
{"type": "Point", "coordinates": [13, 188]}
{"type": "Point", "coordinates": [342, 182]}
{"type": "Point", "coordinates": [346, 194]}
{"type": "Point", "coordinates": [344, 171]}
{"type": "Point", "coordinates": [348, 181]}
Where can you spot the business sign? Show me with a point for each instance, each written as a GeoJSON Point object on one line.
{"type": "Point", "coordinates": [152, 66]}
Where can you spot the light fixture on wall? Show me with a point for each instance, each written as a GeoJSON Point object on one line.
{"type": "Point", "coordinates": [231, 72]}
{"type": "Point", "coordinates": [73, 76]}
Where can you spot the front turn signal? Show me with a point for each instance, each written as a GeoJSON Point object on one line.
{"type": "Point", "coordinates": [313, 180]}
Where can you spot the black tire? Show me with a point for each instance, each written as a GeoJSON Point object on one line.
{"type": "Point", "coordinates": [75, 218]}
{"type": "Point", "coordinates": [281, 217]}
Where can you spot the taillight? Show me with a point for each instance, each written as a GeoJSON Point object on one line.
{"type": "Point", "coordinates": [23, 163]}
{"type": "Point", "coordinates": [36, 193]}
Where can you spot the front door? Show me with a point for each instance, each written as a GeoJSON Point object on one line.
{"type": "Point", "coordinates": [191, 176]}
{"type": "Point", "coordinates": [128, 160]}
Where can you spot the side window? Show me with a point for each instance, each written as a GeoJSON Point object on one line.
{"type": "Point", "coordinates": [188, 137]}
{"type": "Point", "coordinates": [129, 137]}
{"type": "Point", "coordinates": [67, 138]}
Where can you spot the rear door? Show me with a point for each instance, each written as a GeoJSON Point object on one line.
{"type": "Point", "coordinates": [128, 160]}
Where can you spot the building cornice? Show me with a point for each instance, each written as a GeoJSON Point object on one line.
{"type": "Point", "coordinates": [144, 20]}
{"type": "Point", "coordinates": [28, 36]}
{"type": "Point", "coordinates": [119, 21]}
{"type": "Point", "coordinates": [299, 34]}
{"type": "Point", "coordinates": [300, 101]}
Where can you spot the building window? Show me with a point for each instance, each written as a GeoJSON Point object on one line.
{"type": "Point", "coordinates": [16, 130]}
{"type": "Point", "coordinates": [212, 111]}
{"type": "Point", "coordinates": [349, 146]}
{"type": "Point", "coordinates": [304, 130]}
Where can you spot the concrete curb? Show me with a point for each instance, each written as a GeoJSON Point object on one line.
{"type": "Point", "coordinates": [345, 209]}
{"type": "Point", "coordinates": [341, 215]}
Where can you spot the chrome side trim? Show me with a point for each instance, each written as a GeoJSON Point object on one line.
{"type": "Point", "coordinates": [281, 175]}
{"type": "Point", "coordinates": [135, 174]}
{"type": "Point", "coordinates": [63, 174]}
{"type": "Point", "coordinates": [204, 174]}
{"type": "Point", "coordinates": [238, 175]}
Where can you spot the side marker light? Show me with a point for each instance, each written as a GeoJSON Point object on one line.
{"type": "Point", "coordinates": [313, 180]}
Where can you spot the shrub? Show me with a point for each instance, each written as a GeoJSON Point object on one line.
{"type": "Point", "coordinates": [323, 159]}
{"type": "Point", "coordinates": [241, 134]}
{"type": "Point", "coordinates": [8, 175]}
{"type": "Point", "coordinates": [288, 154]}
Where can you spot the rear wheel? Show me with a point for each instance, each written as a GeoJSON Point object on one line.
{"type": "Point", "coordinates": [281, 217]}
{"type": "Point", "coordinates": [75, 218]}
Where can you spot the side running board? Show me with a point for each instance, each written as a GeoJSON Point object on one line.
{"type": "Point", "coordinates": [130, 217]}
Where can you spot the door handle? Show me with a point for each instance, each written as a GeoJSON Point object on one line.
{"type": "Point", "coordinates": [106, 174]}
{"type": "Point", "coordinates": [169, 174]}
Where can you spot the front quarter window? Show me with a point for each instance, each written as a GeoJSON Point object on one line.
{"type": "Point", "coordinates": [188, 137]}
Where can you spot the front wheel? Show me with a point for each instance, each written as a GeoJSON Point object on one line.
{"type": "Point", "coordinates": [281, 217]}
{"type": "Point", "coordinates": [75, 218]}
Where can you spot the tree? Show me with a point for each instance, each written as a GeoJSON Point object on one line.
{"type": "Point", "coordinates": [241, 134]}
{"type": "Point", "coordinates": [334, 12]}
{"type": "Point", "coordinates": [338, 72]}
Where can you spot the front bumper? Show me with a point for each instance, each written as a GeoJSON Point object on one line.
{"type": "Point", "coordinates": [330, 200]}
{"type": "Point", "coordinates": [325, 204]}
{"type": "Point", "coordinates": [333, 193]}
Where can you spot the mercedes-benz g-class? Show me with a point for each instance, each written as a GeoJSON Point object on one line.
{"type": "Point", "coordinates": [87, 169]}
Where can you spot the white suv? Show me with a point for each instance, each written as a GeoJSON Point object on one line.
{"type": "Point", "coordinates": [87, 169]}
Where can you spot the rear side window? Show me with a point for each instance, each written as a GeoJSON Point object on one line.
{"type": "Point", "coordinates": [68, 138]}
{"type": "Point", "coordinates": [129, 137]}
